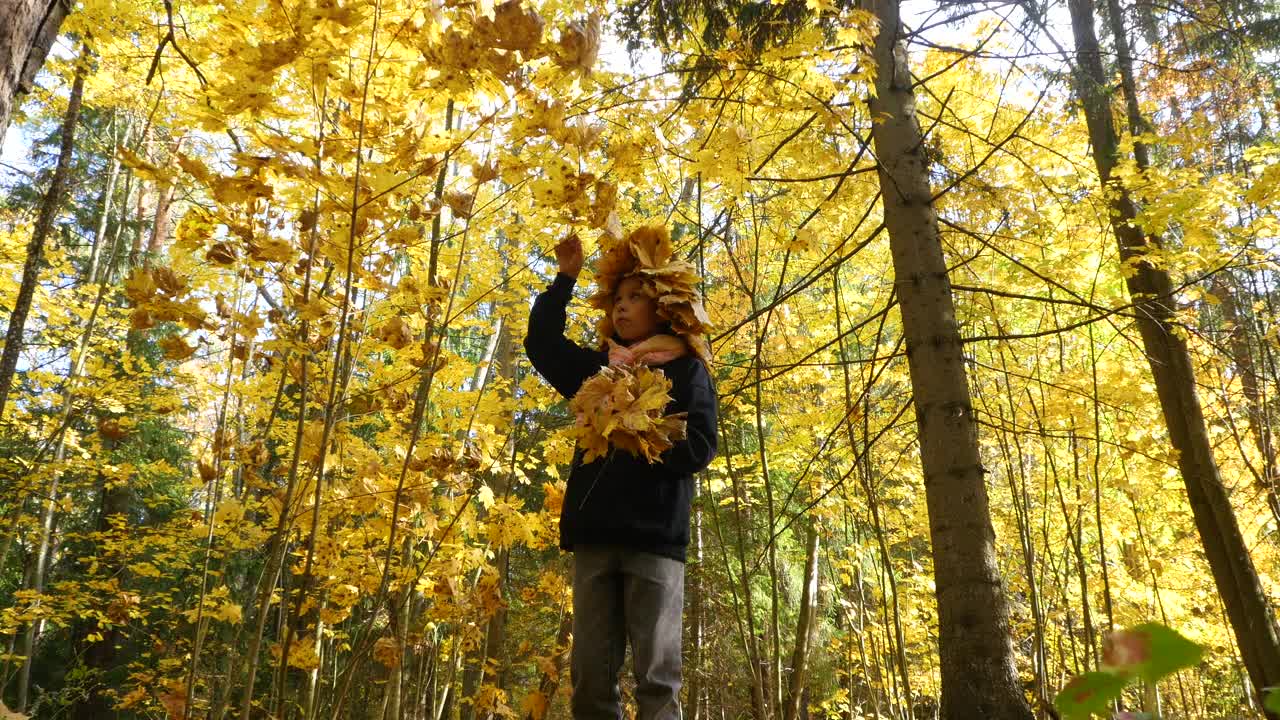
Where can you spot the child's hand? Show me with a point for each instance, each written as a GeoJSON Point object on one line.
{"type": "Point", "coordinates": [569, 255]}
{"type": "Point", "coordinates": [620, 354]}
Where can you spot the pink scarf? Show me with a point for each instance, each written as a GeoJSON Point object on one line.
{"type": "Point", "coordinates": [656, 350]}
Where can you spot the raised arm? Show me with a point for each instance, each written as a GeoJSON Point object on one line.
{"type": "Point", "coordinates": [559, 360]}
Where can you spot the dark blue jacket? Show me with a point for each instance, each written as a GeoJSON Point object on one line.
{"type": "Point", "coordinates": [622, 499]}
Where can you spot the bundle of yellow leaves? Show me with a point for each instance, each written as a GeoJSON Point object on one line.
{"type": "Point", "coordinates": [646, 253]}
{"type": "Point", "coordinates": [623, 406]}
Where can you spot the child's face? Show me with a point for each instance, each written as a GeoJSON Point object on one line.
{"type": "Point", "coordinates": [634, 314]}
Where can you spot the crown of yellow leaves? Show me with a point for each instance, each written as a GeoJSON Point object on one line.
{"type": "Point", "coordinates": [646, 253]}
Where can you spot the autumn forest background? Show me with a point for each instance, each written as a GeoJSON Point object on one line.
{"type": "Point", "coordinates": [994, 289]}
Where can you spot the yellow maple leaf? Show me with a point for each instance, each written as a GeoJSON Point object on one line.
{"type": "Point", "coordinates": [194, 167]}
{"type": "Point", "coordinates": [229, 612]}
{"type": "Point", "coordinates": [513, 27]}
{"type": "Point", "coordinates": [269, 249]}
{"type": "Point", "coordinates": [535, 705]}
{"type": "Point", "coordinates": [175, 348]}
{"type": "Point", "coordinates": [580, 44]}
{"type": "Point", "coordinates": [302, 653]}
{"type": "Point", "coordinates": [485, 496]}
{"type": "Point", "coordinates": [461, 203]}
{"type": "Point", "coordinates": [624, 407]}
{"type": "Point", "coordinates": [395, 332]}
{"type": "Point", "coordinates": [141, 166]}
{"type": "Point", "coordinates": [140, 286]}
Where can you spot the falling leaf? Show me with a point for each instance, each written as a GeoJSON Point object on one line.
{"type": "Point", "coordinates": [513, 27]}
{"type": "Point", "coordinates": [395, 332]}
{"type": "Point", "coordinates": [268, 249]}
{"type": "Point", "coordinates": [582, 134]}
{"type": "Point", "coordinates": [1088, 694]}
{"type": "Point", "coordinates": [140, 286]}
{"type": "Point", "coordinates": [194, 167]}
{"type": "Point", "coordinates": [484, 172]}
{"type": "Point", "coordinates": [168, 281]}
{"type": "Point", "coordinates": [175, 348]}
{"type": "Point", "coordinates": [222, 253]}
{"type": "Point", "coordinates": [535, 705]}
{"type": "Point", "coordinates": [228, 612]}
{"type": "Point", "coordinates": [805, 239]}
{"type": "Point", "coordinates": [485, 496]}
{"type": "Point", "coordinates": [112, 428]}
{"type": "Point", "coordinates": [612, 227]}
{"type": "Point", "coordinates": [602, 208]}
{"type": "Point", "coordinates": [175, 702]}
{"type": "Point", "coordinates": [386, 650]}
{"type": "Point", "coordinates": [207, 471]}
{"type": "Point", "coordinates": [141, 166]}
{"type": "Point", "coordinates": [1149, 650]}
{"type": "Point", "coordinates": [460, 203]}
{"type": "Point", "coordinates": [580, 44]}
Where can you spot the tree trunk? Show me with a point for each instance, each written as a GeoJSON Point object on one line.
{"type": "Point", "coordinates": [1241, 351]}
{"type": "Point", "coordinates": [897, 640]}
{"type": "Point", "coordinates": [163, 221]}
{"type": "Point", "coordinates": [34, 628]}
{"type": "Point", "coordinates": [27, 31]}
{"type": "Point", "coordinates": [141, 210]}
{"type": "Point", "coordinates": [35, 249]}
{"type": "Point", "coordinates": [975, 651]}
{"type": "Point", "coordinates": [398, 614]}
{"type": "Point", "coordinates": [486, 655]}
{"type": "Point", "coordinates": [496, 634]}
{"type": "Point", "coordinates": [805, 627]}
{"type": "Point", "coordinates": [1151, 288]}
{"type": "Point", "coordinates": [549, 683]}
{"type": "Point", "coordinates": [757, 666]}
{"type": "Point", "coordinates": [99, 653]}
{"type": "Point", "coordinates": [104, 205]}
{"type": "Point", "coordinates": [697, 581]}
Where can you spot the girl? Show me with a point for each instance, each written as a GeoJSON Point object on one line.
{"type": "Point", "coordinates": [625, 520]}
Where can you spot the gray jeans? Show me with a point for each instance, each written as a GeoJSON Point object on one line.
{"type": "Point", "coordinates": [620, 594]}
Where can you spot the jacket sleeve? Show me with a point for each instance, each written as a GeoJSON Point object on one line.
{"type": "Point", "coordinates": [559, 360]}
{"type": "Point", "coordinates": [696, 395]}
